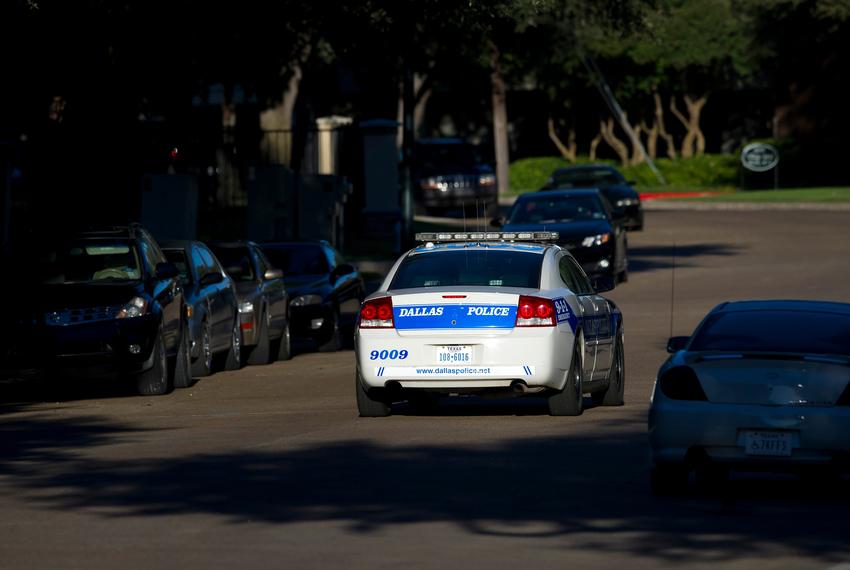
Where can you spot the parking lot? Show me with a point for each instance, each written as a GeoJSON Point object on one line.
{"type": "Point", "coordinates": [270, 466]}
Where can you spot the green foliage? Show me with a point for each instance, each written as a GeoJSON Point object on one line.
{"type": "Point", "coordinates": [707, 171]}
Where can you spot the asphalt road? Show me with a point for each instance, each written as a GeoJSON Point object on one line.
{"type": "Point", "coordinates": [271, 467]}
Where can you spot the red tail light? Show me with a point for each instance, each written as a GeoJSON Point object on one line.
{"type": "Point", "coordinates": [377, 314]}
{"type": "Point", "coordinates": [535, 312]}
{"type": "Point", "coordinates": [681, 383]}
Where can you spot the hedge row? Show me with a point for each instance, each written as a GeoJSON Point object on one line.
{"type": "Point", "coordinates": [707, 171]}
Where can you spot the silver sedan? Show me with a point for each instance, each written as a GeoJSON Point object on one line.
{"type": "Point", "coordinates": [760, 385]}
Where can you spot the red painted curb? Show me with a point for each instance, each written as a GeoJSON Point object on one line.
{"type": "Point", "coordinates": [659, 195]}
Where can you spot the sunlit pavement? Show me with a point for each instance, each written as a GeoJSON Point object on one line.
{"type": "Point", "coordinates": [270, 467]}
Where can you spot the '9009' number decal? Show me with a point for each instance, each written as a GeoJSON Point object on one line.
{"type": "Point", "coordinates": [388, 354]}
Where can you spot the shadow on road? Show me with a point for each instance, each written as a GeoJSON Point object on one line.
{"type": "Point", "coordinates": [646, 258]}
{"type": "Point", "coordinates": [590, 490]}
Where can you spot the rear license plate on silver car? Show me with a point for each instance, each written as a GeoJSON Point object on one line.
{"type": "Point", "coordinates": [771, 443]}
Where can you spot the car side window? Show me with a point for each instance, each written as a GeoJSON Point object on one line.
{"type": "Point", "coordinates": [149, 254]}
{"type": "Point", "coordinates": [209, 262]}
{"type": "Point", "coordinates": [263, 264]}
{"type": "Point", "coordinates": [566, 274]}
{"type": "Point", "coordinates": [583, 286]}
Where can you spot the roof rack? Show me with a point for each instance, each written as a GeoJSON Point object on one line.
{"type": "Point", "coordinates": [442, 237]}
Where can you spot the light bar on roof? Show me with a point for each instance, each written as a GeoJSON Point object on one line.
{"type": "Point", "coordinates": [435, 237]}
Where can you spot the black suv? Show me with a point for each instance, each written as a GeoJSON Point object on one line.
{"type": "Point", "coordinates": [106, 302]}
{"type": "Point", "coordinates": [449, 173]}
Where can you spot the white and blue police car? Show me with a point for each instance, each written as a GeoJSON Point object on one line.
{"type": "Point", "coordinates": [478, 312]}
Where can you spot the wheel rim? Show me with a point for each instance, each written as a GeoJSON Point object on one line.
{"type": "Point", "coordinates": [163, 363]}
{"type": "Point", "coordinates": [286, 339]}
{"type": "Point", "coordinates": [206, 347]}
{"type": "Point", "coordinates": [577, 377]}
{"type": "Point", "coordinates": [236, 343]}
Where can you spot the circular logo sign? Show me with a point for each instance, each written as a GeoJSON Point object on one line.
{"type": "Point", "coordinates": [759, 157]}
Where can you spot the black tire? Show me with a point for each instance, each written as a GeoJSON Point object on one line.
{"type": "Point", "coordinates": [284, 344]}
{"type": "Point", "coordinates": [154, 382]}
{"type": "Point", "coordinates": [182, 372]}
{"type": "Point", "coordinates": [613, 394]}
{"type": "Point", "coordinates": [369, 402]}
{"type": "Point", "coordinates": [623, 276]}
{"type": "Point", "coordinates": [334, 341]}
{"type": "Point", "coordinates": [570, 401]}
{"type": "Point", "coordinates": [262, 353]}
{"type": "Point", "coordinates": [666, 480]}
{"type": "Point", "coordinates": [203, 365]}
{"type": "Point", "coordinates": [233, 358]}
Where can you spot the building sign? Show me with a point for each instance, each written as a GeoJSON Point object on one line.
{"type": "Point", "coordinates": [759, 157]}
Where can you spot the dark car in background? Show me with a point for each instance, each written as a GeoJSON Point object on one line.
{"type": "Point", "coordinates": [449, 173]}
{"type": "Point", "coordinates": [623, 197]}
{"type": "Point", "coordinates": [324, 290]}
{"type": "Point", "coordinates": [211, 306]}
{"type": "Point", "coordinates": [586, 225]}
{"type": "Point", "coordinates": [107, 303]}
{"type": "Point", "coordinates": [262, 301]}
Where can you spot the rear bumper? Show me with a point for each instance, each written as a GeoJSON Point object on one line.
{"type": "Point", "coordinates": [537, 357]}
{"type": "Point", "coordinates": [681, 430]}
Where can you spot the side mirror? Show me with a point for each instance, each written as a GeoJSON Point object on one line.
{"type": "Point", "coordinates": [602, 283]}
{"type": "Point", "coordinates": [342, 269]}
{"type": "Point", "coordinates": [212, 278]}
{"type": "Point", "coordinates": [497, 222]}
{"type": "Point", "coordinates": [272, 274]}
{"type": "Point", "coordinates": [677, 343]}
{"type": "Point", "coordinates": [166, 270]}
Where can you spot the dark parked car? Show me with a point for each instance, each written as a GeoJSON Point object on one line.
{"type": "Point", "coordinates": [108, 303]}
{"type": "Point", "coordinates": [448, 173]}
{"type": "Point", "coordinates": [620, 192]}
{"type": "Point", "coordinates": [211, 306]}
{"type": "Point", "coordinates": [324, 290]}
{"type": "Point", "coordinates": [586, 225]}
{"type": "Point", "coordinates": [263, 301]}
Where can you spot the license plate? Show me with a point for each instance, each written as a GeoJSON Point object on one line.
{"type": "Point", "coordinates": [772, 443]}
{"type": "Point", "coordinates": [454, 354]}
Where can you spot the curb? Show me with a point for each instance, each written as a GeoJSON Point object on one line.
{"type": "Point", "coordinates": [672, 205]}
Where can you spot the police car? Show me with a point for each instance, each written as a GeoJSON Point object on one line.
{"type": "Point", "coordinates": [507, 312]}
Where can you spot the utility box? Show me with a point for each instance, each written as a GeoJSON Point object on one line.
{"type": "Point", "coordinates": [169, 207]}
{"type": "Point", "coordinates": [382, 205]}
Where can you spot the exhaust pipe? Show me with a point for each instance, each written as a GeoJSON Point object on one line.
{"type": "Point", "coordinates": [519, 387]}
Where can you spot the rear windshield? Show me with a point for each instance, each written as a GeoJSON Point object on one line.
{"type": "Point", "coordinates": [298, 259]}
{"type": "Point", "coordinates": [557, 209]}
{"type": "Point", "coordinates": [236, 262]}
{"type": "Point", "coordinates": [806, 332]}
{"type": "Point", "coordinates": [585, 177]}
{"type": "Point", "coordinates": [92, 260]}
{"type": "Point", "coordinates": [472, 268]}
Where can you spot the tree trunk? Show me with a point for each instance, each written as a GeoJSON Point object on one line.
{"type": "Point", "coordinates": [637, 155]}
{"type": "Point", "coordinates": [422, 92]}
{"type": "Point", "coordinates": [594, 142]}
{"type": "Point", "coordinates": [651, 139]}
{"type": "Point", "coordinates": [276, 122]}
{"type": "Point", "coordinates": [662, 129]}
{"type": "Point", "coordinates": [568, 151]}
{"type": "Point", "coordinates": [606, 128]}
{"type": "Point", "coordinates": [694, 142]}
{"type": "Point", "coordinates": [500, 121]}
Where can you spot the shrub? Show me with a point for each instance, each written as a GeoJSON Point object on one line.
{"type": "Point", "coordinates": [709, 170]}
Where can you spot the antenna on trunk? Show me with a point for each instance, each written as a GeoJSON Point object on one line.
{"type": "Point", "coordinates": [672, 289]}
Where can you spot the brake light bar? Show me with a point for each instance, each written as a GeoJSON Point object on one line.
{"type": "Point", "coordinates": [377, 314]}
{"type": "Point", "coordinates": [535, 312]}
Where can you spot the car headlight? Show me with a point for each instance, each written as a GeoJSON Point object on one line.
{"type": "Point", "coordinates": [625, 202]}
{"type": "Point", "coordinates": [135, 308]}
{"type": "Point", "coordinates": [487, 180]}
{"type": "Point", "coordinates": [303, 300]}
{"type": "Point", "coordinates": [591, 241]}
{"type": "Point", "coordinates": [246, 307]}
